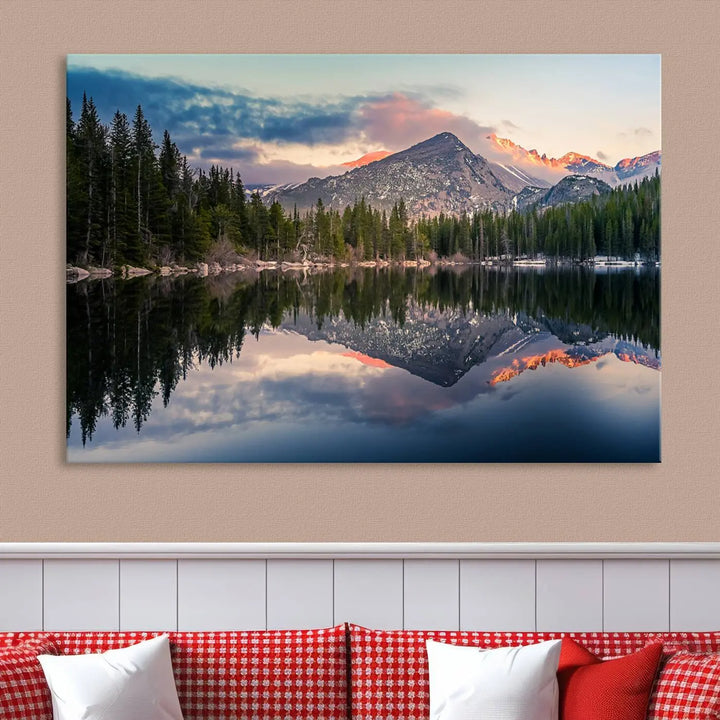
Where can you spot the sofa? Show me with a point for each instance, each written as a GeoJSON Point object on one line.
{"type": "Point", "coordinates": [342, 672]}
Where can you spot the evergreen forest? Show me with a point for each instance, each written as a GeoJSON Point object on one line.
{"type": "Point", "coordinates": [130, 201]}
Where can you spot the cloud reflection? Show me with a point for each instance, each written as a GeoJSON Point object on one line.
{"type": "Point", "coordinates": [285, 380]}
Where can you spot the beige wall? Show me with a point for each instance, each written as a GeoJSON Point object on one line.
{"type": "Point", "coordinates": [42, 498]}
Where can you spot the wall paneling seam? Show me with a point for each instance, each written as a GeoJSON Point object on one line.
{"type": "Point", "coordinates": [535, 604]}
{"type": "Point", "coordinates": [602, 591]}
{"type": "Point", "coordinates": [42, 590]}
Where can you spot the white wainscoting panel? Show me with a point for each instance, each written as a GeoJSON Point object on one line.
{"type": "Point", "coordinates": [497, 595]}
{"type": "Point", "coordinates": [505, 587]}
{"type": "Point", "coordinates": [569, 595]}
{"type": "Point", "coordinates": [369, 593]}
{"type": "Point", "coordinates": [299, 594]}
{"type": "Point", "coordinates": [695, 595]}
{"type": "Point", "coordinates": [82, 595]}
{"type": "Point", "coordinates": [636, 595]}
{"type": "Point", "coordinates": [221, 594]}
{"type": "Point", "coordinates": [431, 595]}
{"type": "Point", "coordinates": [148, 594]}
{"type": "Point", "coordinates": [21, 596]}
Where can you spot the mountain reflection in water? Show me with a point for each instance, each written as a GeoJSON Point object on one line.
{"type": "Point", "coordinates": [366, 365]}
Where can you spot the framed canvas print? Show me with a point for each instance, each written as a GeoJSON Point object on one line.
{"type": "Point", "coordinates": [363, 258]}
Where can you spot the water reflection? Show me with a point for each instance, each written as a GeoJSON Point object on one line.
{"type": "Point", "coordinates": [365, 365]}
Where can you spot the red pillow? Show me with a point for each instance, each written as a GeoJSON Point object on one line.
{"type": "Point", "coordinates": [595, 689]}
{"type": "Point", "coordinates": [688, 688]}
{"type": "Point", "coordinates": [23, 689]}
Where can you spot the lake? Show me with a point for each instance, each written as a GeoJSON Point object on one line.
{"type": "Point", "coordinates": [456, 364]}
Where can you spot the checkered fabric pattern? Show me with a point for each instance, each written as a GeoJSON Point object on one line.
{"type": "Point", "coordinates": [692, 642]}
{"type": "Point", "coordinates": [389, 671]}
{"type": "Point", "coordinates": [258, 675]}
{"type": "Point", "coordinates": [24, 692]}
{"type": "Point", "coordinates": [688, 688]}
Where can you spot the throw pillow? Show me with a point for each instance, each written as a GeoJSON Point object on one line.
{"type": "Point", "coordinates": [509, 683]}
{"type": "Point", "coordinates": [688, 688]}
{"type": "Point", "coordinates": [133, 682]}
{"type": "Point", "coordinates": [690, 642]}
{"type": "Point", "coordinates": [24, 692]}
{"type": "Point", "coordinates": [617, 689]}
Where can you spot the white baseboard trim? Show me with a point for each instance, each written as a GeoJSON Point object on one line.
{"type": "Point", "coordinates": [363, 550]}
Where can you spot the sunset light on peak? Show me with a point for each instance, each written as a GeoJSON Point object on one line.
{"type": "Point", "coordinates": [367, 158]}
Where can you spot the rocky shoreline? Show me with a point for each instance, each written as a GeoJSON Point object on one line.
{"type": "Point", "coordinates": [201, 269]}
{"type": "Point", "coordinates": [76, 274]}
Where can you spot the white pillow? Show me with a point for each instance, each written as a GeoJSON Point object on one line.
{"type": "Point", "coordinates": [131, 683]}
{"type": "Point", "coordinates": [510, 683]}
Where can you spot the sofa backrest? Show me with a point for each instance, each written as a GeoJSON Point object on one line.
{"type": "Point", "coordinates": [274, 674]}
{"type": "Point", "coordinates": [303, 674]}
{"type": "Point", "coordinates": [389, 670]}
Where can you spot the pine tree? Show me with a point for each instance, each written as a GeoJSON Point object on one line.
{"type": "Point", "coordinates": [121, 201]}
{"type": "Point", "coordinates": [145, 170]}
{"type": "Point", "coordinates": [75, 191]}
{"type": "Point", "coordinates": [90, 138]}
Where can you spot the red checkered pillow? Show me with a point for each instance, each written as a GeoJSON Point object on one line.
{"type": "Point", "coordinates": [272, 675]}
{"type": "Point", "coordinates": [692, 642]}
{"type": "Point", "coordinates": [688, 688]}
{"type": "Point", "coordinates": [389, 668]}
{"type": "Point", "coordinates": [24, 692]}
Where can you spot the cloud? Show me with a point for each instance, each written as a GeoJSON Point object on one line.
{"type": "Point", "coordinates": [310, 128]}
{"type": "Point", "coordinates": [398, 121]}
{"type": "Point", "coordinates": [510, 124]}
{"type": "Point", "coordinates": [600, 155]}
{"type": "Point", "coordinates": [639, 132]}
{"type": "Point", "coordinates": [190, 112]}
{"type": "Point", "coordinates": [271, 139]}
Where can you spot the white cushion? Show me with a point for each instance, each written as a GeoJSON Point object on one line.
{"type": "Point", "coordinates": [135, 682]}
{"type": "Point", "coordinates": [510, 683]}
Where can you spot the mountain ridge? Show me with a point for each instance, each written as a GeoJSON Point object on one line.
{"type": "Point", "coordinates": [577, 163]}
{"type": "Point", "coordinates": [442, 175]}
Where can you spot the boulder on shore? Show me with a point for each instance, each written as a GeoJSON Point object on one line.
{"type": "Point", "coordinates": [74, 274]}
{"type": "Point", "coordinates": [202, 269]}
{"type": "Point", "coordinates": [100, 272]}
{"type": "Point", "coordinates": [130, 271]}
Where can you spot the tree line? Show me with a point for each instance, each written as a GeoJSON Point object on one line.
{"type": "Point", "coordinates": [623, 223]}
{"type": "Point", "coordinates": [131, 201]}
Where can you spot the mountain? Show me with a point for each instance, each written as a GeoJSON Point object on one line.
{"type": "Point", "coordinates": [639, 167]}
{"type": "Point", "coordinates": [437, 345]}
{"type": "Point", "coordinates": [530, 195]}
{"type": "Point", "coordinates": [367, 158]}
{"type": "Point", "coordinates": [575, 163]}
{"type": "Point", "coordinates": [581, 164]}
{"type": "Point", "coordinates": [572, 189]}
{"type": "Point", "coordinates": [528, 157]}
{"type": "Point", "coordinates": [442, 346]}
{"type": "Point", "coordinates": [437, 175]}
{"type": "Point", "coordinates": [515, 179]}
{"type": "Point", "coordinates": [442, 175]}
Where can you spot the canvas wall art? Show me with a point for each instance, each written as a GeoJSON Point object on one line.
{"type": "Point", "coordinates": [363, 258]}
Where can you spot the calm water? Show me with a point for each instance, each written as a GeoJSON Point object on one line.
{"type": "Point", "coordinates": [478, 364]}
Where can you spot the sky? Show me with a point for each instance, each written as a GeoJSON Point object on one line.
{"type": "Point", "coordinates": [285, 118]}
